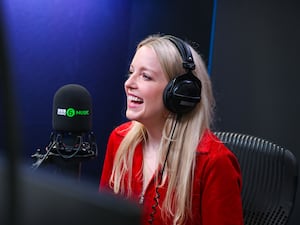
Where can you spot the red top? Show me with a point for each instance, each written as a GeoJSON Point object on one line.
{"type": "Point", "coordinates": [217, 182]}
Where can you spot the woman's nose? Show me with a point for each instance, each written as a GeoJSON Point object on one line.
{"type": "Point", "coordinates": [130, 82]}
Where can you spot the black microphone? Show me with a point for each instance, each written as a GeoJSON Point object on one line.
{"type": "Point", "coordinates": [72, 138]}
{"type": "Point", "coordinates": [72, 109]}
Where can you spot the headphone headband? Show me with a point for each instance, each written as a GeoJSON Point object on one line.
{"type": "Point", "coordinates": [185, 52]}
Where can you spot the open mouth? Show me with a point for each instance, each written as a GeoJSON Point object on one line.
{"type": "Point", "coordinates": [135, 99]}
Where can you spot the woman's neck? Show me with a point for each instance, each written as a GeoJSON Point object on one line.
{"type": "Point", "coordinates": [150, 156]}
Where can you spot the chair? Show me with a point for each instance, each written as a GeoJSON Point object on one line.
{"type": "Point", "coordinates": [270, 176]}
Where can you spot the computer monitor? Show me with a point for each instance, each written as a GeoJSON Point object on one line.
{"type": "Point", "coordinates": [46, 199]}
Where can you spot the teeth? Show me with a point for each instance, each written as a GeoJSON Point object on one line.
{"type": "Point", "coordinates": [134, 98]}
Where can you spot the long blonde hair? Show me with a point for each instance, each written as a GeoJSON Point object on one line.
{"type": "Point", "coordinates": [180, 163]}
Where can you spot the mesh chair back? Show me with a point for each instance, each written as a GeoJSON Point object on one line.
{"type": "Point", "coordinates": [270, 176]}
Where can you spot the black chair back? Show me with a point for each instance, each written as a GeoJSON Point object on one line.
{"type": "Point", "coordinates": [270, 176]}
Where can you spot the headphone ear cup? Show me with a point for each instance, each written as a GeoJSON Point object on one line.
{"type": "Point", "coordinates": [182, 93]}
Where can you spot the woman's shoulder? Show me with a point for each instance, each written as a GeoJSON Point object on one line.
{"type": "Point", "coordinates": [212, 145]}
{"type": "Point", "coordinates": [122, 129]}
{"type": "Point", "coordinates": [117, 134]}
{"type": "Point", "coordinates": [213, 150]}
{"type": "Point", "coordinates": [213, 153]}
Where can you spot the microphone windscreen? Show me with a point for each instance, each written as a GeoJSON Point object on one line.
{"type": "Point", "coordinates": [72, 109]}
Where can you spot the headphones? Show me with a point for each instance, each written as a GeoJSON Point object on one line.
{"type": "Point", "coordinates": [183, 92]}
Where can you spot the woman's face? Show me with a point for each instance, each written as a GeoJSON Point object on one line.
{"type": "Point", "coordinates": [144, 88]}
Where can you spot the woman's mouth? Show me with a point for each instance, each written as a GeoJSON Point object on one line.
{"type": "Point", "coordinates": [134, 99]}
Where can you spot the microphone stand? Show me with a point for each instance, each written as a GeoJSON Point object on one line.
{"type": "Point", "coordinates": [66, 151]}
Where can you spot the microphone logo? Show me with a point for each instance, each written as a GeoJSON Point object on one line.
{"type": "Point", "coordinates": [71, 112]}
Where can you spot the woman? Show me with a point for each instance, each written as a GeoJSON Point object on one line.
{"type": "Point", "coordinates": [166, 158]}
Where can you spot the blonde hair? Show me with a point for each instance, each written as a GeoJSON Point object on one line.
{"type": "Point", "coordinates": [181, 160]}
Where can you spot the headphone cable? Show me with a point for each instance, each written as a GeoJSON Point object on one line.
{"type": "Point", "coordinates": [161, 173]}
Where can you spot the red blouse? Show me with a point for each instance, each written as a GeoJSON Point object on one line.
{"type": "Point", "coordinates": [217, 182]}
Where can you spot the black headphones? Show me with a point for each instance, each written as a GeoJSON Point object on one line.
{"type": "Point", "coordinates": [183, 92]}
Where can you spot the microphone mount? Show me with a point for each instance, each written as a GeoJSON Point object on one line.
{"type": "Point", "coordinates": [68, 147]}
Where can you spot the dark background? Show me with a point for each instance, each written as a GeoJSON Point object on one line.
{"type": "Point", "coordinates": [251, 49]}
{"type": "Point", "coordinates": [255, 72]}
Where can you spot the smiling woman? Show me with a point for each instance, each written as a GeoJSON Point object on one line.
{"type": "Point", "coordinates": [166, 158]}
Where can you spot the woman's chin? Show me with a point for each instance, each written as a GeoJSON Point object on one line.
{"type": "Point", "coordinates": [132, 115]}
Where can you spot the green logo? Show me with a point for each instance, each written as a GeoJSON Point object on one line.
{"type": "Point", "coordinates": [70, 112]}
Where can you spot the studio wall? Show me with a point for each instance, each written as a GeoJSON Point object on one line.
{"type": "Point", "coordinates": [255, 72]}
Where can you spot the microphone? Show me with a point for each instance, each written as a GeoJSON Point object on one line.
{"type": "Point", "coordinates": [71, 138]}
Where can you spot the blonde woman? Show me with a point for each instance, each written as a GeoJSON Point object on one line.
{"type": "Point", "coordinates": [165, 157]}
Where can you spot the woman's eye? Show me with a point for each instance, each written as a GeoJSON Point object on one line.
{"type": "Point", "coordinates": [146, 76]}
